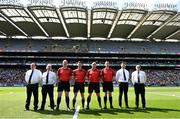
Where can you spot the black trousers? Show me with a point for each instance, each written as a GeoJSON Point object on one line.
{"type": "Point", "coordinates": [32, 88]}
{"type": "Point", "coordinates": [140, 89]}
{"type": "Point", "coordinates": [47, 89]}
{"type": "Point", "coordinates": [123, 88]}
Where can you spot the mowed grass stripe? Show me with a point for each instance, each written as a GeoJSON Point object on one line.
{"type": "Point", "coordinates": [12, 101]}
{"type": "Point", "coordinates": [174, 94]}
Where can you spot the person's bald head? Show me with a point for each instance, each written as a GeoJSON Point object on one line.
{"type": "Point", "coordinates": [49, 67]}
{"type": "Point", "coordinates": [138, 67]}
{"type": "Point", "coordinates": [33, 66]}
{"type": "Point", "coordinates": [65, 63]}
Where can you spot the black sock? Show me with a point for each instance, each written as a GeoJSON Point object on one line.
{"type": "Point", "coordinates": [88, 101]}
{"type": "Point", "coordinates": [99, 100]}
{"type": "Point", "coordinates": [83, 101]}
{"type": "Point", "coordinates": [58, 102]}
{"type": "Point", "coordinates": [105, 101]}
{"type": "Point", "coordinates": [74, 101]}
{"type": "Point", "coordinates": [110, 101]}
{"type": "Point", "coordinates": [67, 102]}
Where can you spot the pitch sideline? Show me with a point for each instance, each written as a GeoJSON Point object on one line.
{"type": "Point", "coordinates": [75, 116]}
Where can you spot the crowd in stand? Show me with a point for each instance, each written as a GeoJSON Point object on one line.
{"type": "Point", "coordinates": [12, 76]}
{"type": "Point", "coordinates": [163, 77]}
{"type": "Point", "coordinates": [144, 62]}
{"type": "Point", "coordinates": [154, 77]}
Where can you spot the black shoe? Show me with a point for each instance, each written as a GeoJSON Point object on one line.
{"type": "Point", "coordinates": [57, 109]}
{"type": "Point", "coordinates": [27, 109]}
{"type": "Point", "coordinates": [73, 108]}
{"type": "Point", "coordinates": [41, 109]}
{"type": "Point", "coordinates": [105, 107]}
{"type": "Point", "coordinates": [127, 107]}
{"type": "Point", "coordinates": [52, 108]}
{"type": "Point", "coordinates": [35, 109]}
{"type": "Point", "coordinates": [87, 108]}
{"type": "Point", "coordinates": [111, 107]}
{"type": "Point", "coordinates": [50, 105]}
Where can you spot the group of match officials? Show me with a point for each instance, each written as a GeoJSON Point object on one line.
{"type": "Point", "coordinates": [34, 77]}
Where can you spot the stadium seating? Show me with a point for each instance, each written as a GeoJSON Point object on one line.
{"type": "Point", "coordinates": [86, 46]}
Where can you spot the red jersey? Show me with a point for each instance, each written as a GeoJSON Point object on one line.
{"type": "Point", "coordinates": [93, 75]}
{"type": "Point", "coordinates": [107, 74]}
{"type": "Point", "coordinates": [79, 75]}
{"type": "Point", "coordinates": [64, 74]}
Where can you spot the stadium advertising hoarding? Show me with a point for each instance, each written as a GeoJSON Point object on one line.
{"type": "Point", "coordinates": [41, 2]}
{"type": "Point", "coordinates": [11, 2]}
{"type": "Point", "coordinates": [132, 4]}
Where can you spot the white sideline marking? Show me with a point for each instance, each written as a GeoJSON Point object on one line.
{"type": "Point", "coordinates": [76, 112]}
{"type": "Point", "coordinates": [173, 95]}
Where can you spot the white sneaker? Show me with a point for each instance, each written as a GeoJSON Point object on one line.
{"type": "Point", "coordinates": [68, 109]}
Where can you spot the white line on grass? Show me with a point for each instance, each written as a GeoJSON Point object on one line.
{"type": "Point", "coordinates": [165, 94]}
{"type": "Point", "coordinates": [76, 112]}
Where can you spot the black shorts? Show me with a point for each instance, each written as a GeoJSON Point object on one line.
{"type": "Point", "coordinates": [63, 85]}
{"type": "Point", "coordinates": [94, 86]}
{"type": "Point", "coordinates": [107, 86]}
{"type": "Point", "coordinates": [79, 86]}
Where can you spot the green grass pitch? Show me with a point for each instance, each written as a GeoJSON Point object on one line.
{"type": "Point", "coordinates": [162, 102]}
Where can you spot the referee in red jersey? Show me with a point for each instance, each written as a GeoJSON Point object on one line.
{"type": "Point", "coordinates": [93, 75]}
{"type": "Point", "coordinates": [107, 77]}
{"type": "Point", "coordinates": [79, 77]}
{"type": "Point", "coordinates": [64, 75]}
